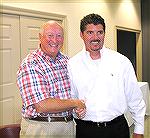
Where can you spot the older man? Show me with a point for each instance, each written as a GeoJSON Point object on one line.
{"type": "Point", "coordinates": [44, 86]}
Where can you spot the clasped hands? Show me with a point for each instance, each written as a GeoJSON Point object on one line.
{"type": "Point", "coordinates": [81, 111]}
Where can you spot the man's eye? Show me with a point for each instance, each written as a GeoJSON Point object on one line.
{"type": "Point", "coordinates": [89, 32]}
{"type": "Point", "coordinates": [59, 35]}
{"type": "Point", "coordinates": [101, 32]}
{"type": "Point", "coordinates": [50, 35]}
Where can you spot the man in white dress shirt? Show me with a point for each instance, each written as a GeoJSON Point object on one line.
{"type": "Point", "coordinates": [106, 81]}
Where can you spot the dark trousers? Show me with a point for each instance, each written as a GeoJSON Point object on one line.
{"type": "Point", "coordinates": [115, 129]}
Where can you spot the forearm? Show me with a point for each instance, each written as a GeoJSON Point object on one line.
{"type": "Point", "coordinates": [58, 105]}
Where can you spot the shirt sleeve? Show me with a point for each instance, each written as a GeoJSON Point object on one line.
{"type": "Point", "coordinates": [136, 104]}
{"type": "Point", "coordinates": [32, 84]}
{"type": "Point", "coordinates": [74, 91]}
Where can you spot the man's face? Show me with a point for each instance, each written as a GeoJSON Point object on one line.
{"type": "Point", "coordinates": [52, 39]}
{"type": "Point", "coordinates": [93, 37]}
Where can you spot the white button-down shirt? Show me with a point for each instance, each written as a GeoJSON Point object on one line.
{"type": "Point", "coordinates": [108, 86]}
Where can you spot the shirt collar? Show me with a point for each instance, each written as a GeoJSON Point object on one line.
{"type": "Point", "coordinates": [45, 56]}
{"type": "Point", "coordinates": [88, 54]}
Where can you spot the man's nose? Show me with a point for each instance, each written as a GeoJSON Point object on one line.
{"type": "Point", "coordinates": [95, 35]}
{"type": "Point", "coordinates": [54, 39]}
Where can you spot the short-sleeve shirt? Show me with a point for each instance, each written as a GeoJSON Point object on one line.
{"type": "Point", "coordinates": [40, 77]}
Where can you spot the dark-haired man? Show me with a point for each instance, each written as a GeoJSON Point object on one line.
{"type": "Point", "coordinates": [106, 81]}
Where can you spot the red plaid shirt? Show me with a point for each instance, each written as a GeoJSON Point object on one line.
{"type": "Point", "coordinates": [40, 77]}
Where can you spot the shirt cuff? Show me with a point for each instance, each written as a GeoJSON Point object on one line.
{"type": "Point", "coordinates": [139, 129]}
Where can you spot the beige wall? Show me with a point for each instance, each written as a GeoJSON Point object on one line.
{"type": "Point", "coordinates": [124, 14]}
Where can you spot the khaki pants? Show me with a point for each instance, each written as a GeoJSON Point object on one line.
{"type": "Point", "coordinates": [37, 129]}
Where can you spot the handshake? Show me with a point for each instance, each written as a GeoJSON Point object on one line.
{"type": "Point", "coordinates": [80, 109]}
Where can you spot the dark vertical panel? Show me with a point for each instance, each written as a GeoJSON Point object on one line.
{"type": "Point", "coordinates": [126, 45]}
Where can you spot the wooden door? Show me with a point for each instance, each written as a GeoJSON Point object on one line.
{"type": "Point", "coordinates": [10, 102]}
{"type": "Point", "coordinates": [30, 28]}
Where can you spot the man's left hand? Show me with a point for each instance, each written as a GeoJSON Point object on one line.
{"type": "Point", "coordinates": [138, 135]}
{"type": "Point", "coordinates": [80, 113]}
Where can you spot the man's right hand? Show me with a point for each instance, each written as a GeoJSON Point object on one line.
{"type": "Point", "coordinates": [80, 110]}
{"type": "Point", "coordinates": [79, 104]}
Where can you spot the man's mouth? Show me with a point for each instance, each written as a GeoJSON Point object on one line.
{"type": "Point", "coordinates": [95, 42]}
{"type": "Point", "coordinates": [53, 45]}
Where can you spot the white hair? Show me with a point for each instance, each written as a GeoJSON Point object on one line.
{"type": "Point", "coordinates": [51, 22]}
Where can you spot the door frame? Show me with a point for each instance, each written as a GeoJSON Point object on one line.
{"type": "Point", "coordinates": [138, 48]}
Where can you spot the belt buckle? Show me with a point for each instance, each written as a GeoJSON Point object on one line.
{"type": "Point", "coordinates": [66, 119]}
{"type": "Point", "coordinates": [98, 124]}
{"type": "Point", "coordinates": [49, 118]}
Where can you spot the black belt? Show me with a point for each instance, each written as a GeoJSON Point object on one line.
{"type": "Point", "coordinates": [100, 124]}
{"type": "Point", "coordinates": [53, 119]}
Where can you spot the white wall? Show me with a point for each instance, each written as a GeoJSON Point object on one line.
{"type": "Point", "coordinates": [125, 14]}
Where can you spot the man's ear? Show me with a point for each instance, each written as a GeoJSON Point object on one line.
{"type": "Point", "coordinates": [81, 35]}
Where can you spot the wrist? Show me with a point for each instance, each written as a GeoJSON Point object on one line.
{"type": "Point", "coordinates": [73, 103]}
{"type": "Point", "coordinates": [135, 135]}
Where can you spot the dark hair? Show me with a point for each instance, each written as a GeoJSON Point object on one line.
{"type": "Point", "coordinates": [91, 19]}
